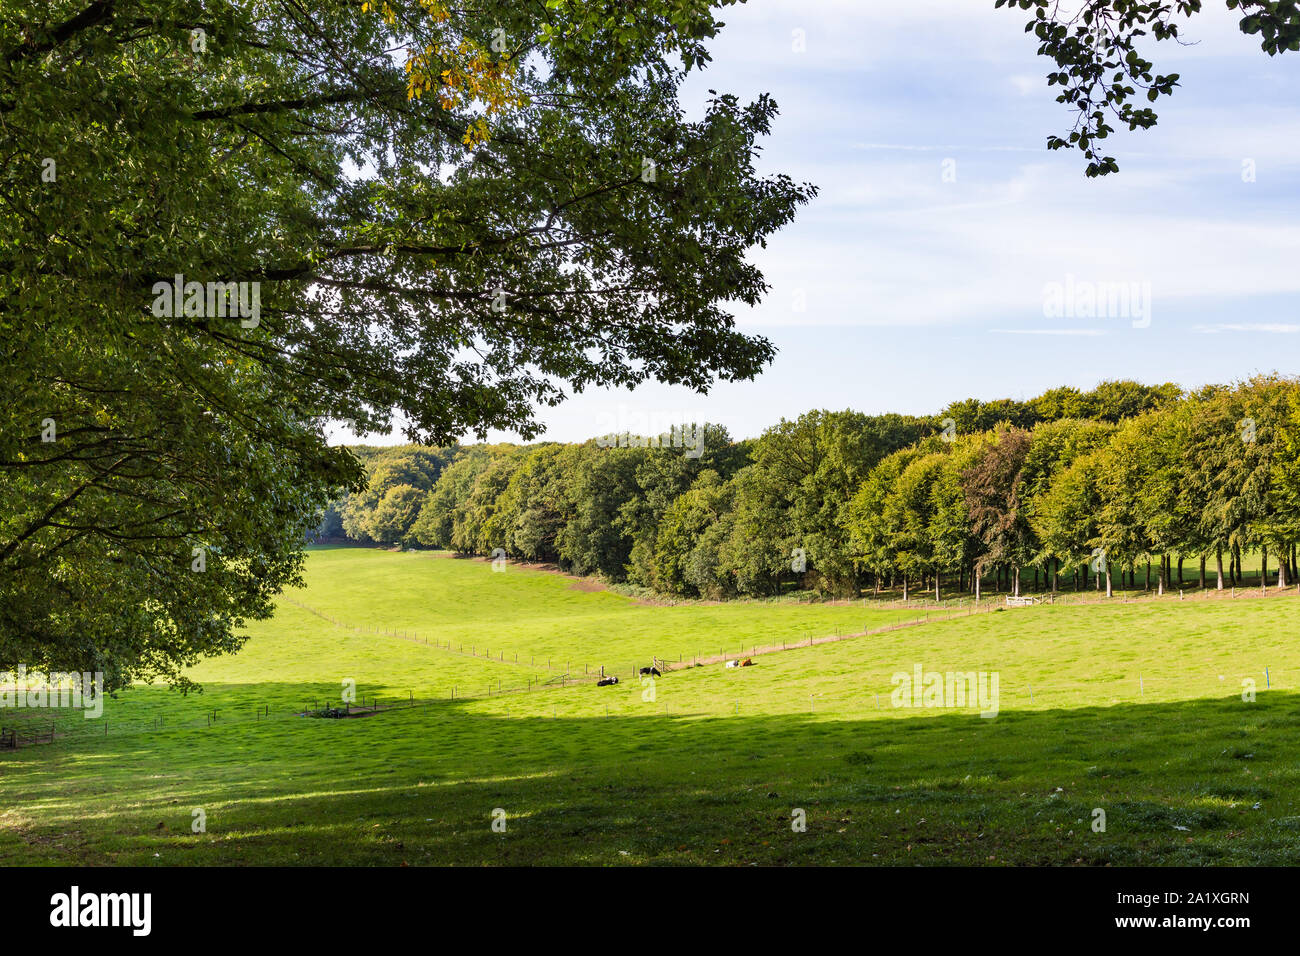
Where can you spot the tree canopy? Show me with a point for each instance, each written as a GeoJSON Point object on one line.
{"type": "Point", "coordinates": [455, 214]}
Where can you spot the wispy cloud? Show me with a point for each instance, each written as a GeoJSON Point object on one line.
{"type": "Point", "coordinates": [1049, 331]}
{"type": "Point", "coordinates": [950, 148]}
{"type": "Point", "coordinates": [902, 288]}
{"type": "Point", "coordinates": [1276, 328]}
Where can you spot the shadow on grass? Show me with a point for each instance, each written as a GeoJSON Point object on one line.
{"type": "Point", "coordinates": [1210, 781]}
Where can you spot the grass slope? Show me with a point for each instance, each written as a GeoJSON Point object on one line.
{"type": "Point", "coordinates": [549, 617]}
{"type": "Point", "coordinates": [710, 769]}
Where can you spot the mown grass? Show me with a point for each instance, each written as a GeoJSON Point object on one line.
{"type": "Point", "coordinates": [1135, 709]}
{"type": "Point", "coordinates": [550, 618]}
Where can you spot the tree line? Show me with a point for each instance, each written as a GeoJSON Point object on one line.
{"type": "Point", "coordinates": [1074, 488]}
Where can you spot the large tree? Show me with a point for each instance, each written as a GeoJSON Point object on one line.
{"type": "Point", "coordinates": [994, 488]}
{"type": "Point", "coordinates": [809, 469]}
{"type": "Point", "coordinates": [456, 211]}
{"type": "Point", "coordinates": [1054, 446]}
{"type": "Point", "coordinates": [1065, 517]}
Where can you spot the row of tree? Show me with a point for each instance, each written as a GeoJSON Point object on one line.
{"type": "Point", "coordinates": [1085, 484]}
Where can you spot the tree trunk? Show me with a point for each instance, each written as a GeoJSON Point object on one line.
{"type": "Point", "coordinates": [1015, 578]}
{"type": "Point", "coordinates": [976, 572]}
{"type": "Point", "coordinates": [904, 588]}
{"type": "Point", "coordinates": [1056, 572]}
{"type": "Point", "coordinates": [936, 585]}
{"type": "Point", "coordinates": [1109, 592]}
{"type": "Point", "coordinates": [1148, 575]}
{"type": "Point", "coordinates": [1218, 561]}
{"type": "Point", "coordinates": [1263, 568]}
{"type": "Point", "coordinates": [1202, 572]}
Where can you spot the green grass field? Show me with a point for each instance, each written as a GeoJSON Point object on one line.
{"type": "Point", "coordinates": [1132, 708]}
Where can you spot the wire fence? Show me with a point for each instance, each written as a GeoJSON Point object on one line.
{"type": "Point", "coordinates": [570, 669]}
{"type": "Point", "coordinates": [46, 725]}
{"type": "Point", "coordinates": [1122, 596]}
{"type": "Point", "coordinates": [1132, 688]}
{"type": "Point", "coordinates": [924, 611]}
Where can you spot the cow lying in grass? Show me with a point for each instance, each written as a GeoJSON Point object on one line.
{"type": "Point", "coordinates": [651, 670]}
{"type": "Point", "coordinates": [607, 681]}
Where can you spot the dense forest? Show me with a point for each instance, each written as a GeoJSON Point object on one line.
{"type": "Point", "coordinates": [1069, 489]}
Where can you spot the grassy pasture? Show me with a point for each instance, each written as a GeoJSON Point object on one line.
{"type": "Point", "coordinates": [549, 617]}
{"type": "Point", "coordinates": [1132, 708]}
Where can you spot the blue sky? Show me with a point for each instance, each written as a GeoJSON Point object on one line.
{"type": "Point", "coordinates": [918, 289]}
